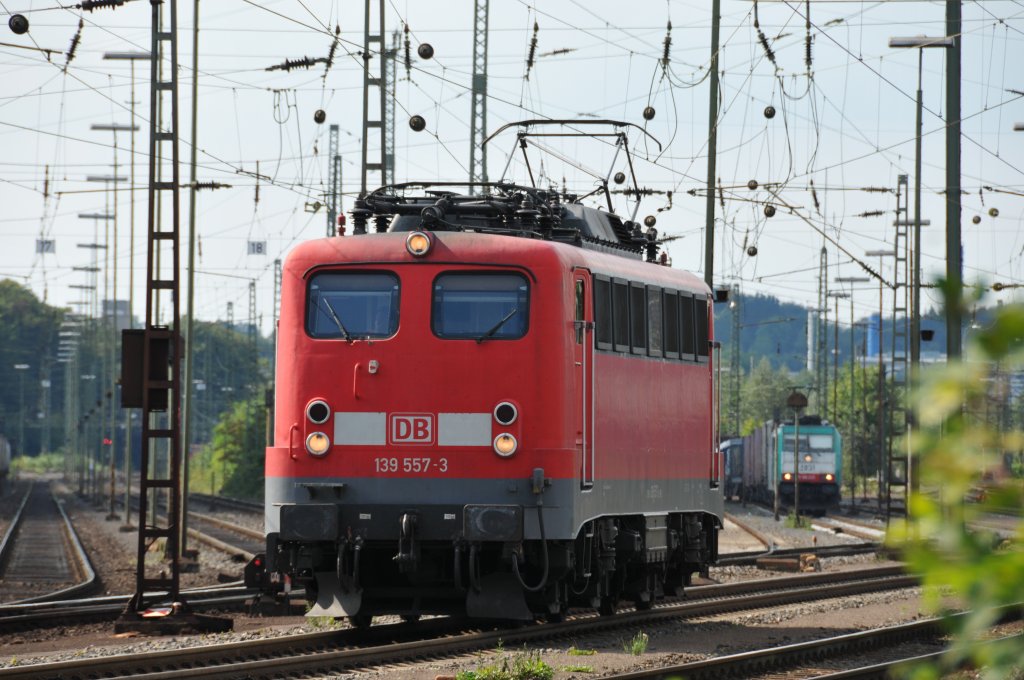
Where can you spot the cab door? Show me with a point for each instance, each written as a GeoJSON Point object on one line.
{"type": "Point", "coordinates": [583, 358]}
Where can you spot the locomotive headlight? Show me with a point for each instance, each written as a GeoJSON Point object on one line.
{"type": "Point", "coordinates": [505, 413]}
{"type": "Point", "coordinates": [317, 443]}
{"type": "Point", "coordinates": [505, 445]}
{"type": "Point", "coordinates": [418, 243]}
{"type": "Point", "coordinates": [829, 477]}
{"type": "Point", "coordinates": [808, 458]}
{"type": "Point", "coordinates": [318, 411]}
{"type": "Point", "coordinates": [786, 476]}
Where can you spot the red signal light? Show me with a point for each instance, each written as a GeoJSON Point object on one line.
{"type": "Point", "coordinates": [107, 441]}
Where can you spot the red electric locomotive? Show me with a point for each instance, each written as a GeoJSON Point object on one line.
{"type": "Point", "coordinates": [497, 405]}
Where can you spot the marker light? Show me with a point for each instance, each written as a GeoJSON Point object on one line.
{"type": "Point", "coordinates": [418, 243]}
{"type": "Point", "coordinates": [829, 477]}
{"type": "Point", "coordinates": [505, 445]}
{"type": "Point", "coordinates": [787, 476]}
{"type": "Point", "coordinates": [318, 411]}
{"type": "Point", "coordinates": [317, 444]}
{"type": "Point", "coordinates": [505, 413]}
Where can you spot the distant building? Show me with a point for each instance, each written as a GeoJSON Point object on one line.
{"type": "Point", "coordinates": [119, 310]}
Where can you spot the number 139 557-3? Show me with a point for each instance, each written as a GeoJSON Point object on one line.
{"type": "Point", "coordinates": [411, 464]}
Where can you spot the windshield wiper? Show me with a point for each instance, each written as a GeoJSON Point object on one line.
{"type": "Point", "coordinates": [494, 329]}
{"type": "Point", "coordinates": [334, 315]}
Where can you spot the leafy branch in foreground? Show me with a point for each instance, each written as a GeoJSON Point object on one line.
{"type": "Point", "coordinates": [968, 463]}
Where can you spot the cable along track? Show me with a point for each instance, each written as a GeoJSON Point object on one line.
{"type": "Point", "coordinates": [344, 650]}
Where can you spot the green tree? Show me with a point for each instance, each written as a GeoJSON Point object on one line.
{"type": "Point", "coordinates": [960, 458]}
{"type": "Point", "coordinates": [28, 336]}
{"type": "Point", "coordinates": [232, 462]}
{"type": "Point", "coordinates": [763, 395]}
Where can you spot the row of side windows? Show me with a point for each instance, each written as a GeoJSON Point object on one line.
{"type": "Point", "coordinates": [648, 320]}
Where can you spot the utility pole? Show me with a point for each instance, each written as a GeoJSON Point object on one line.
{"type": "Point", "coordinates": [391, 77]}
{"type": "Point", "coordinates": [478, 97]}
{"type": "Point", "coordinates": [954, 266]}
{"type": "Point", "coordinates": [131, 58]}
{"type": "Point", "coordinates": [188, 388]}
{"type": "Point", "coordinates": [821, 336]}
{"type": "Point", "coordinates": [373, 43]}
{"type": "Point", "coordinates": [836, 295]}
{"type": "Point", "coordinates": [709, 206]}
{"type": "Point", "coordinates": [159, 373]}
{"type": "Point", "coordinates": [333, 180]}
{"type": "Point", "coordinates": [735, 370]}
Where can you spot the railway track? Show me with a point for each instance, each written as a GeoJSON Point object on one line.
{"type": "Point", "coordinates": [866, 654]}
{"type": "Point", "coordinates": [344, 650]}
{"type": "Point", "coordinates": [41, 557]}
{"type": "Point", "coordinates": [240, 542]}
{"type": "Point", "coordinates": [224, 502]}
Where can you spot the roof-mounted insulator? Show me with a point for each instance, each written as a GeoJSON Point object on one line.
{"type": "Point", "coordinates": [90, 5]}
{"type": "Point", "coordinates": [74, 44]}
{"type": "Point", "coordinates": [721, 195]}
{"type": "Point", "coordinates": [533, 50]}
{"type": "Point", "coordinates": [207, 185]}
{"type": "Point", "coordinates": [814, 197]}
{"type": "Point", "coordinates": [871, 213]}
{"type": "Point", "coordinates": [668, 47]}
{"type": "Point", "coordinates": [289, 64]}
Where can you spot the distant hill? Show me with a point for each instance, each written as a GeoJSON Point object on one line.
{"type": "Point", "coordinates": [778, 330]}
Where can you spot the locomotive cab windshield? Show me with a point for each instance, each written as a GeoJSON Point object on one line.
{"type": "Point", "coordinates": [352, 305]}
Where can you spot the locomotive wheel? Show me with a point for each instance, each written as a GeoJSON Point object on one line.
{"type": "Point", "coordinates": [609, 605]}
{"type": "Point", "coordinates": [361, 621]}
{"type": "Point", "coordinates": [643, 605]}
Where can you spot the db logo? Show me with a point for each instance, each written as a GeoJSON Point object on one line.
{"type": "Point", "coordinates": [411, 428]}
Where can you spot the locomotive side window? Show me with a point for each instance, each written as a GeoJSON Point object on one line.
{"type": "Point", "coordinates": [481, 306]}
{"type": "Point", "coordinates": [352, 305]}
{"type": "Point", "coordinates": [701, 319]}
{"type": "Point", "coordinates": [620, 315]}
{"type": "Point", "coordinates": [580, 312]}
{"type": "Point", "coordinates": [603, 312]}
{"type": "Point", "coordinates": [671, 324]}
{"type": "Point", "coordinates": [654, 321]}
{"type": "Point", "coordinates": [686, 330]}
{"type": "Point", "coordinates": [638, 318]}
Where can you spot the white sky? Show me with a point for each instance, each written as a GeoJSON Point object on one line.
{"type": "Point", "coordinates": [852, 126]}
